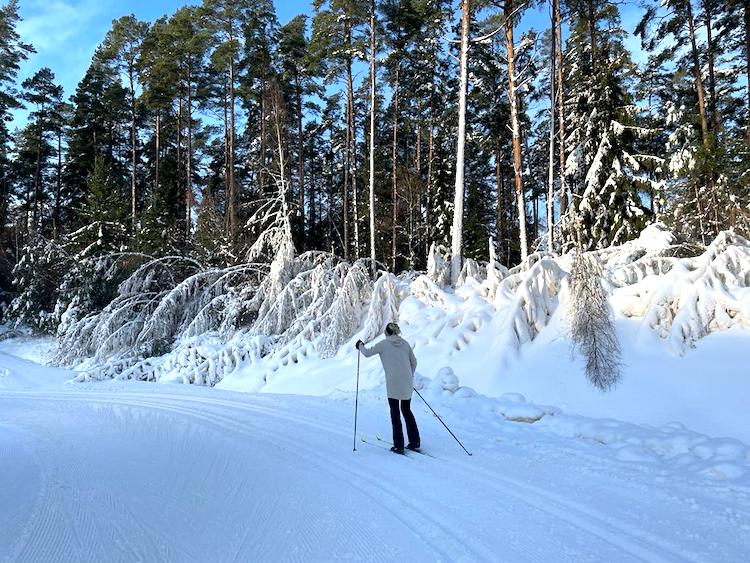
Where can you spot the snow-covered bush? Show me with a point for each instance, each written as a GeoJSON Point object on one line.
{"type": "Point", "coordinates": [686, 298]}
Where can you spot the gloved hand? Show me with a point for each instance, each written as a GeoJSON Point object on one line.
{"type": "Point", "coordinates": [358, 344]}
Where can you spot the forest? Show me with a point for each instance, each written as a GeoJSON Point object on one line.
{"type": "Point", "coordinates": [384, 133]}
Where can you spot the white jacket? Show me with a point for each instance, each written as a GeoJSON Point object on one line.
{"type": "Point", "coordinates": [399, 364]}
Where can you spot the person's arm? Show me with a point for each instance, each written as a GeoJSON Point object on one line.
{"type": "Point", "coordinates": [367, 352]}
{"type": "Point", "coordinates": [412, 360]}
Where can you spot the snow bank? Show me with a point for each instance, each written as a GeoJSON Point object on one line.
{"type": "Point", "coordinates": [671, 444]}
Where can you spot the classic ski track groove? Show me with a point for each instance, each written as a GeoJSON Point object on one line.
{"type": "Point", "coordinates": [322, 462]}
{"type": "Point", "coordinates": [641, 544]}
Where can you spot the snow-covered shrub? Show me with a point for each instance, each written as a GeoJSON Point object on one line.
{"type": "Point", "coordinates": [148, 308]}
{"type": "Point", "coordinates": [529, 297]}
{"type": "Point", "coordinates": [383, 307]}
{"type": "Point", "coordinates": [592, 330]}
{"type": "Point", "coordinates": [684, 299]}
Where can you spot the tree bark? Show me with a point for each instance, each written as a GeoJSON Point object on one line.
{"type": "Point", "coordinates": [394, 190]}
{"type": "Point", "coordinates": [516, 129]}
{"type": "Point", "coordinates": [58, 189]}
{"type": "Point", "coordinates": [697, 74]}
{"type": "Point", "coordinates": [300, 158]}
{"type": "Point", "coordinates": [233, 212]}
{"type": "Point", "coordinates": [157, 148]}
{"type": "Point", "coordinates": [551, 171]}
{"type": "Point", "coordinates": [133, 156]}
{"type": "Point", "coordinates": [189, 157]}
{"type": "Point", "coordinates": [711, 54]}
{"type": "Point", "coordinates": [458, 199]}
{"type": "Point", "coordinates": [372, 139]}
{"type": "Point", "coordinates": [500, 191]}
{"type": "Point", "coordinates": [348, 140]}
{"type": "Point", "coordinates": [560, 108]}
{"type": "Point", "coordinates": [38, 175]}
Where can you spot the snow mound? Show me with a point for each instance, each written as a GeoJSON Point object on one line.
{"type": "Point", "coordinates": [514, 407]}
{"type": "Point", "coordinates": [672, 444]}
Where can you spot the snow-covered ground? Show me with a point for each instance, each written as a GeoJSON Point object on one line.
{"type": "Point", "coordinates": [656, 469]}
{"type": "Point", "coordinates": [134, 471]}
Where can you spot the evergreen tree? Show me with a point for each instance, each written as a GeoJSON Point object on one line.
{"type": "Point", "coordinates": [44, 96]}
{"type": "Point", "coordinates": [12, 52]}
{"type": "Point", "coordinates": [122, 48]}
{"type": "Point", "coordinates": [603, 164]}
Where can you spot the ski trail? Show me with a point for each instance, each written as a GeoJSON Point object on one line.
{"type": "Point", "coordinates": [434, 537]}
{"type": "Point", "coordinates": [365, 480]}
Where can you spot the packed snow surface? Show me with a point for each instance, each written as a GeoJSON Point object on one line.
{"type": "Point", "coordinates": [117, 461]}
{"type": "Point", "coordinates": [135, 471]}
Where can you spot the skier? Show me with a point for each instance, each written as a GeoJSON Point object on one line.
{"type": "Point", "coordinates": [399, 364]}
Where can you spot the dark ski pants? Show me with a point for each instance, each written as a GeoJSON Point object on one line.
{"type": "Point", "coordinates": [411, 425]}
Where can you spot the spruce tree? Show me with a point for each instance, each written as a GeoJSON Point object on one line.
{"type": "Point", "coordinates": [603, 161]}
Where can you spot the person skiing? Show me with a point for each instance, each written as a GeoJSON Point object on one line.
{"type": "Point", "coordinates": [399, 364]}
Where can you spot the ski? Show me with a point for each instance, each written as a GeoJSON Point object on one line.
{"type": "Point", "coordinates": [382, 446]}
{"type": "Point", "coordinates": [420, 452]}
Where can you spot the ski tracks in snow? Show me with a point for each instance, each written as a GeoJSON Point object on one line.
{"type": "Point", "coordinates": [375, 506]}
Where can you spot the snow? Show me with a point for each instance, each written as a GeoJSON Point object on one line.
{"type": "Point", "coordinates": [126, 470]}
{"type": "Point", "coordinates": [657, 468]}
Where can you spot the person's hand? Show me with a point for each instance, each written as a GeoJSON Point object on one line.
{"type": "Point", "coordinates": [358, 344]}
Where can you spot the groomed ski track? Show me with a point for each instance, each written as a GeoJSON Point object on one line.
{"type": "Point", "coordinates": [145, 472]}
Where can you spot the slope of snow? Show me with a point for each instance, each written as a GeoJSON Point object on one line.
{"type": "Point", "coordinates": [124, 471]}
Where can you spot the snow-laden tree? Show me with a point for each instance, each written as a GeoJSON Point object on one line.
{"type": "Point", "coordinates": [605, 164]}
{"type": "Point", "coordinates": [591, 327]}
{"type": "Point", "coordinates": [37, 276]}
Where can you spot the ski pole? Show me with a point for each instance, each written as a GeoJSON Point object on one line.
{"type": "Point", "coordinates": [441, 421]}
{"type": "Point", "coordinates": [356, 402]}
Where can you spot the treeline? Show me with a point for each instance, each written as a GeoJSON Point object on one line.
{"type": "Point", "coordinates": [180, 128]}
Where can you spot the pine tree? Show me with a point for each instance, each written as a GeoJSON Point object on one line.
{"type": "Point", "coordinates": [122, 49]}
{"type": "Point", "coordinates": [45, 96]}
{"type": "Point", "coordinates": [12, 52]}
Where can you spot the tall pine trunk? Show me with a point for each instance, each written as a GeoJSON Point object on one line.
{"type": "Point", "coordinates": [58, 188]}
{"type": "Point", "coordinates": [38, 175]}
{"type": "Point", "coordinates": [394, 190]}
{"type": "Point", "coordinates": [515, 129]}
{"type": "Point", "coordinates": [458, 198]}
{"type": "Point", "coordinates": [697, 74]}
{"type": "Point", "coordinates": [560, 107]}
{"type": "Point", "coordinates": [157, 148]}
{"type": "Point", "coordinates": [133, 156]}
{"type": "Point", "coordinates": [300, 158]}
{"type": "Point", "coordinates": [711, 54]}
{"type": "Point", "coordinates": [551, 165]}
{"type": "Point", "coordinates": [701, 105]}
{"type": "Point", "coordinates": [233, 200]}
{"type": "Point", "coordinates": [189, 157]}
{"type": "Point", "coordinates": [372, 138]}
